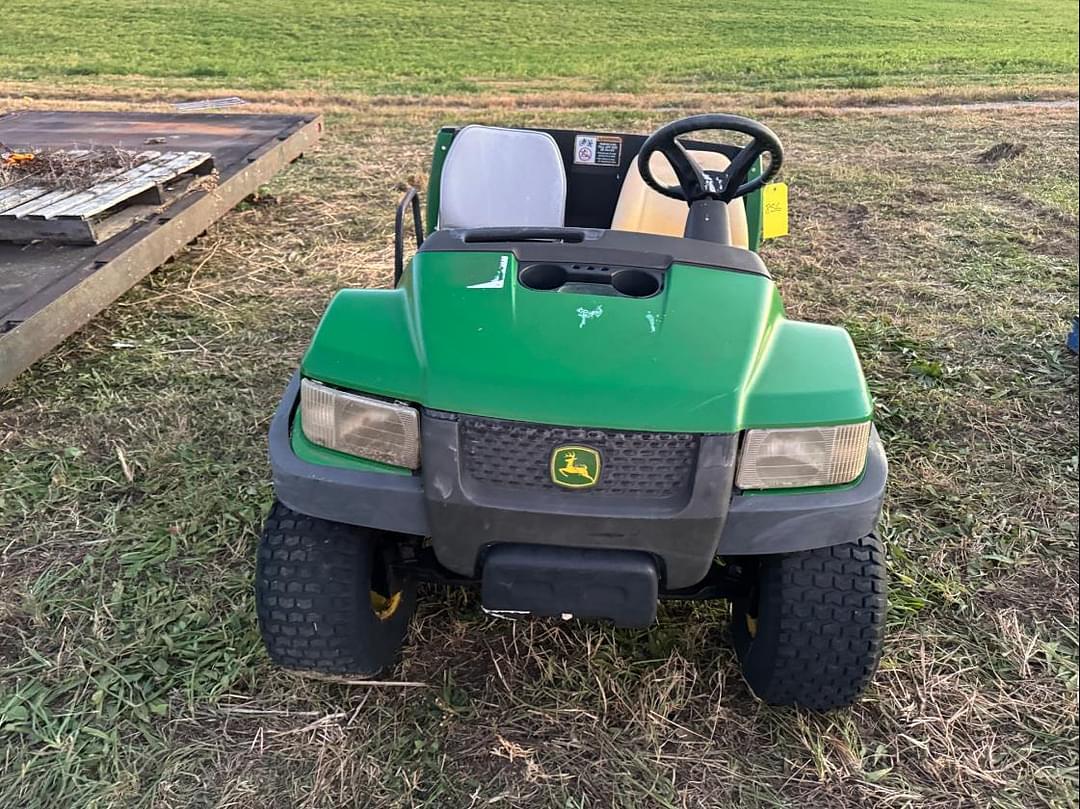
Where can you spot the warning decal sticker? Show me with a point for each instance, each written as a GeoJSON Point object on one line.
{"type": "Point", "coordinates": [597, 150]}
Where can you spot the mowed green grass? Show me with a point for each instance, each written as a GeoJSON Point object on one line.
{"type": "Point", "coordinates": [133, 481]}
{"type": "Point", "coordinates": [429, 47]}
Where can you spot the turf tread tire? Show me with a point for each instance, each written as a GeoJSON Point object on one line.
{"type": "Point", "coordinates": [312, 584]}
{"type": "Point", "coordinates": [820, 625]}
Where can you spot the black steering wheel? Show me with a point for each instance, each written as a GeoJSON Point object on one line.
{"type": "Point", "coordinates": [696, 183]}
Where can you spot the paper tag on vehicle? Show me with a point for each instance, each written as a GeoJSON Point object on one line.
{"type": "Point", "coordinates": [774, 206]}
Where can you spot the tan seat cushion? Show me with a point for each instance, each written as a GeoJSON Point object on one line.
{"type": "Point", "coordinates": [643, 210]}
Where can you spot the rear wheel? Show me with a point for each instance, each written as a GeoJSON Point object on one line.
{"type": "Point", "coordinates": [327, 595]}
{"type": "Point", "coordinates": [810, 631]}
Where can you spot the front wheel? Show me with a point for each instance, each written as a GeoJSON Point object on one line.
{"type": "Point", "coordinates": [327, 595]}
{"type": "Point", "coordinates": [810, 631]}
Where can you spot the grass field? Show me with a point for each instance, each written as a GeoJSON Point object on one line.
{"type": "Point", "coordinates": [430, 47]}
{"type": "Point", "coordinates": [133, 477]}
{"type": "Point", "coordinates": [134, 481]}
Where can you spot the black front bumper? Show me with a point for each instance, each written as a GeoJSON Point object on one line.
{"type": "Point", "coordinates": [464, 520]}
{"type": "Point", "coordinates": [620, 586]}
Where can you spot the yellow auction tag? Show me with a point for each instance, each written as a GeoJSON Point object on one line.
{"type": "Point", "coordinates": [774, 205]}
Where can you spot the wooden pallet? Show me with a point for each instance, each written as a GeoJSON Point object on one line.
{"type": "Point", "coordinates": [109, 205]}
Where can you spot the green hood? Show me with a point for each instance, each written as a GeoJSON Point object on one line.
{"type": "Point", "coordinates": [711, 352]}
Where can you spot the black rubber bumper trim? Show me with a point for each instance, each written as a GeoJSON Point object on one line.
{"type": "Point", "coordinates": [784, 523]}
{"type": "Point", "coordinates": [598, 246]}
{"type": "Point", "coordinates": [751, 525]}
{"type": "Point", "coordinates": [371, 499]}
{"type": "Point", "coordinates": [619, 586]}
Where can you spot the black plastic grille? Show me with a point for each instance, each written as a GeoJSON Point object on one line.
{"type": "Point", "coordinates": [517, 455]}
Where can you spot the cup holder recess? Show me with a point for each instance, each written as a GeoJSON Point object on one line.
{"type": "Point", "coordinates": [631, 282]}
{"type": "Point", "coordinates": [544, 276]}
{"type": "Point", "coordinates": [635, 283]}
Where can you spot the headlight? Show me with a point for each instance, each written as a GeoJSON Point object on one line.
{"type": "Point", "coordinates": [370, 428]}
{"type": "Point", "coordinates": [804, 456]}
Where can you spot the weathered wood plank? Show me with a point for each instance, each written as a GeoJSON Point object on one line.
{"type": "Point", "coordinates": [34, 204]}
{"type": "Point", "coordinates": [101, 197]}
{"type": "Point", "coordinates": [131, 176]}
{"type": "Point", "coordinates": [64, 231]}
{"type": "Point", "coordinates": [12, 198]}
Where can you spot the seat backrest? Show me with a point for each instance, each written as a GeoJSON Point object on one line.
{"type": "Point", "coordinates": [495, 177]}
{"type": "Point", "coordinates": [643, 210]}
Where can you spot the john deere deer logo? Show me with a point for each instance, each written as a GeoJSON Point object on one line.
{"type": "Point", "coordinates": [575, 467]}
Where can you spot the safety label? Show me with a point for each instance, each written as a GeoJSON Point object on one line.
{"type": "Point", "coordinates": [597, 150]}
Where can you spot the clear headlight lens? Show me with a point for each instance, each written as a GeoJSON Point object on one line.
{"type": "Point", "coordinates": [803, 456]}
{"type": "Point", "coordinates": [370, 428]}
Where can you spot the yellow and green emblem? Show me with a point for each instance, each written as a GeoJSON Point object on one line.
{"type": "Point", "coordinates": [575, 467]}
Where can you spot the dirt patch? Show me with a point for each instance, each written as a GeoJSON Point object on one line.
{"type": "Point", "coordinates": [1037, 590]}
{"type": "Point", "coordinates": [857, 215]}
{"type": "Point", "coordinates": [1002, 151]}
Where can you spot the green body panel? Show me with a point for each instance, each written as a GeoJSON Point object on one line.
{"type": "Point", "coordinates": [313, 453]}
{"type": "Point", "coordinates": [438, 157]}
{"type": "Point", "coordinates": [806, 374]}
{"type": "Point", "coordinates": [753, 205]}
{"type": "Point", "coordinates": [711, 353]}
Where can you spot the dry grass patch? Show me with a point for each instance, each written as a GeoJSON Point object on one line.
{"type": "Point", "coordinates": [133, 674]}
{"type": "Point", "coordinates": [65, 169]}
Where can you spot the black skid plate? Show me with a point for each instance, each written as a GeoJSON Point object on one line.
{"type": "Point", "coordinates": [619, 586]}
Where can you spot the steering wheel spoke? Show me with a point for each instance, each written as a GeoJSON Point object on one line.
{"type": "Point", "coordinates": [744, 161]}
{"type": "Point", "coordinates": [686, 169]}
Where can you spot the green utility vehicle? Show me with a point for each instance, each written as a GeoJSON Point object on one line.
{"type": "Point", "coordinates": [581, 396]}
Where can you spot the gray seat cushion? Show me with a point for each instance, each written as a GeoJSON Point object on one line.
{"type": "Point", "coordinates": [495, 177]}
